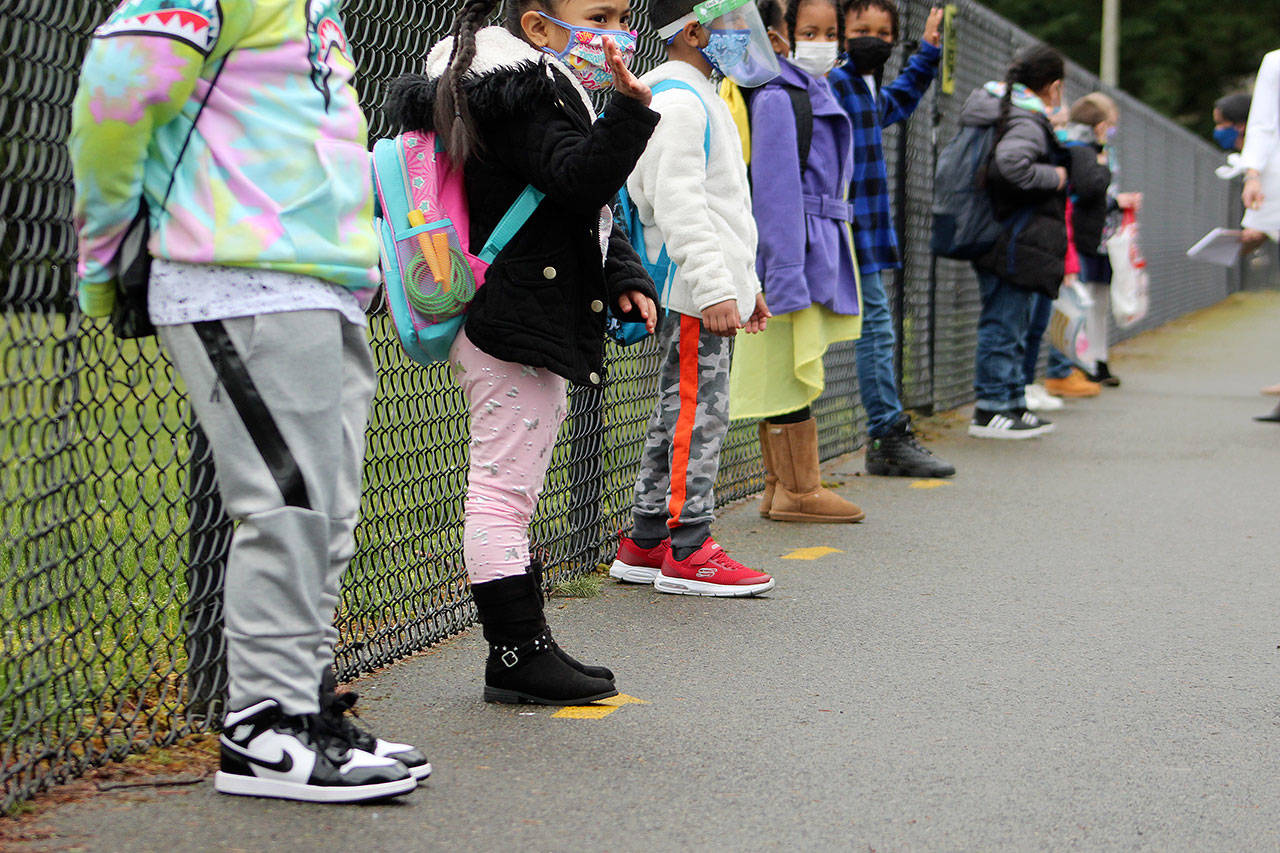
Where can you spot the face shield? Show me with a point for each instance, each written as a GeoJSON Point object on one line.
{"type": "Point", "coordinates": [739, 43]}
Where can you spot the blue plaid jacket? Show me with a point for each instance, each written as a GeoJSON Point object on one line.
{"type": "Point", "coordinates": [873, 235]}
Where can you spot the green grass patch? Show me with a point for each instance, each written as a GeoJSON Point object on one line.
{"type": "Point", "coordinates": [578, 586]}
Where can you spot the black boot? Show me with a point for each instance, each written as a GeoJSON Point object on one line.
{"type": "Point", "coordinates": [898, 454]}
{"type": "Point", "coordinates": [1102, 375]}
{"type": "Point", "coordinates": [535, 569]}
{"type": "Point", "coordinates": [522, 664]}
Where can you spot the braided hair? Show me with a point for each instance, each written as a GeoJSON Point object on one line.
{"type": "Point", "coordinates": [793, 13]}
{"type": "Point", "coordinates": [1035, 67]}
{"type": "Point", "coordinates": [452, 117]}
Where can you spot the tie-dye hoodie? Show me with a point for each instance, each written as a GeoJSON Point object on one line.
{"type": "Point", "coordinates": [276, 176]}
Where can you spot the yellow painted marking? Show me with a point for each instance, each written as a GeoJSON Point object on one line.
{"type": "Point", "coordinates": [811, 553]}
{"type": "Point", "coordinates": [929, 484]}
{"type": "Point", "coordinates": [584, 712]}
{"type": "Point", "coordinates": [598, 710]}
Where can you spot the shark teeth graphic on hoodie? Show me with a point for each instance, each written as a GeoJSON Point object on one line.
{"type": "Point", "coordinates": [193, 22]}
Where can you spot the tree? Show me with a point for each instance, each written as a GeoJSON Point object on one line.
{"type": "Point", "coordinates": [1179, 56]}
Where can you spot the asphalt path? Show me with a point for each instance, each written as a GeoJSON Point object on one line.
{"type": "Point", "coordinates": [1072, 645]}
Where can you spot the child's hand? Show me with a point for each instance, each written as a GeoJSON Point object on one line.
{"type": "Point", "coordinates": [648, 311]}
{"type": "Point", "coordinates": [1062, 176]}
{"type": "Point", "coordinates": [933, 28]}
{"type": "Point", "coordinates": [722, 318]}
{"type": "Point", "coordinates": [1129, 201]}
{"type": "Point", "coordinates": [623, 80]}
{"type": "Point", "coordinates": [759, 317]}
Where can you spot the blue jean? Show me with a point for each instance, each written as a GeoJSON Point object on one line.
{"type": "Point", "coordinates": [877, 385]}
{"type": "Point", "coordinates": [1002, 342]}
{"type": "Point", "coordinates": [1059, 365]}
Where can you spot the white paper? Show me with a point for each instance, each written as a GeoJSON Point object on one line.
{"type": "Point", "coordinates": [1220, 246]}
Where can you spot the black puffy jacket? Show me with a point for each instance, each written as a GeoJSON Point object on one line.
{"type": "Point", "coordinates": [544, 298]}
{"type": "Point", "coordinates": [1091, 204]}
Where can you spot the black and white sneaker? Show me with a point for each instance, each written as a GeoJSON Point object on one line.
{"type": "Point", "coordinates": [1011, 424]}
{"type": "Point", "coordinates": [333, 711]}
{"type": "Point", "coordinates": [267, 753]}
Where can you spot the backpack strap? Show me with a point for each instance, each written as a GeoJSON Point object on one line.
{"type": "Point", "coordinates": [803, 108]}
{"type": "Point", "coordinates": [511, 222]}
{"type": "Point", "coordinates": [664, 85]}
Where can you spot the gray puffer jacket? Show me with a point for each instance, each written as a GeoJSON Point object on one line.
{"type": "Point", "coordinates": [1023, 184]}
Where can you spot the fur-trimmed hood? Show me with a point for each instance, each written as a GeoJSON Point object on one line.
{"type": "Point", "coordinates": [505, 75]}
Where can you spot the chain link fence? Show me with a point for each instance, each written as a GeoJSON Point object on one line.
{"type": "Point", "coordinates": [112, 538]}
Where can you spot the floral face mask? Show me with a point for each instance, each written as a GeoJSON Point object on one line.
{"type": "Point", "coordinates": [584, 54]}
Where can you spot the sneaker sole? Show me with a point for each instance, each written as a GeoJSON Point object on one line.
{"type": "Point", "coordinates": [678, 586]}
{"type": "Point", "coordinates": [1008, 434]}
{"type": "Point", "coordinates": [628, 573]}
{"type": "Point", "coordinates": [515, 697]}
{"type": "Point", "coordinates": [421, 772]}
{"type": "Point", "coordinates": [256, 786]}
{"type": "Point", "coordinates": [881, 470]}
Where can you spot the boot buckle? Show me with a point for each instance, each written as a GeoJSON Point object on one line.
{"type": "Point", "coordinates": [509, 658]}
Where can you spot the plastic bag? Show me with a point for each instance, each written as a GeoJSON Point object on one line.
{"type": "Point", "coordinates": [1066, 324]}
{"type": "Point", "coordinates": [1129, 282]}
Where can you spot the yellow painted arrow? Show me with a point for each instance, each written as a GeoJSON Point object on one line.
{"type": "Point", "coordinates": [598, 710]}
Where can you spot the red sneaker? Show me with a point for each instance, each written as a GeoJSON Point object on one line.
{"type": "Point", "coordinates": [638, 565]}
{"type": "Point", "coordinates": [710, 571]}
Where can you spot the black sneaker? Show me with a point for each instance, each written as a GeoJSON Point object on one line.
{"type": "Point", "coordinates": [897, 453]}
{"type": "Point", "coordinates": [267, 753]}
{"type": "Point", "coordinates": [1011, 424]}
{"type": "Point", "coordinates": [333, 711]}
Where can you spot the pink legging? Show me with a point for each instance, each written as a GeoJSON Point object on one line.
{"type": "Point", "coordinates": [516, 412]}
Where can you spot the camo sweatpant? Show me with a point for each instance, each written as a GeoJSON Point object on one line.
{"type": "Point", "coordinates": [675, 491]}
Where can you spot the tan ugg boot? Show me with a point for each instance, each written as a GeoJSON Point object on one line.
{"type": "Point", "coordinates": [770, 477]}
{"type": "Point", "coordinates": [799, 495]}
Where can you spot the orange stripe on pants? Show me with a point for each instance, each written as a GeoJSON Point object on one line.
{"type": "Point", "coordinates": [690, 332]}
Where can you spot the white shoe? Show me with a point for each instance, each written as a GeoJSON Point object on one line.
{"type": "Point", "coordinates": [1040, 400]}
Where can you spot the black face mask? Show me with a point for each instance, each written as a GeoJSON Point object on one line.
{"type": "Point", "coordinates": [868, 53]}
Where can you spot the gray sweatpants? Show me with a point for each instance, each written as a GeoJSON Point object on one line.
{"type": "Point", "coordinates": [675, 490]}
{"type": "Point", "coordinates": [284, 400]}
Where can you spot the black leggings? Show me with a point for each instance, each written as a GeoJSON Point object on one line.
{"type": "Point", "coordinates": [795, 417]}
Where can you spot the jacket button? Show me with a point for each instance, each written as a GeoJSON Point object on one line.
{"type": "Point", "coordinates": [594, 378]}
{"type": "Point", "coordinates": [597, 306]}
{"type": "Point", "coordinates": [548, 273]}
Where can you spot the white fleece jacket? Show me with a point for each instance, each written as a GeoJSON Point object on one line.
{"type": "Point", "coordinates": [699, 206]}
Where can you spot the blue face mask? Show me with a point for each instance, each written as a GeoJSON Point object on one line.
{"type": "Point", "coordinates": [1226, 138]}
{"type": "Point", "coordinates": [726, 48]}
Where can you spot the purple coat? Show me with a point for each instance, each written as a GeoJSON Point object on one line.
{"type": "Point", "coordinates": [805, 255]}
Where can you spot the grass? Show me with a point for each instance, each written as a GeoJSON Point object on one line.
{"type": "Point", "coordinates": [578, 586]}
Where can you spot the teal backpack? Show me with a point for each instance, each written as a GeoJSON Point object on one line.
{"type": "Point", "coordinates": [423, 227]}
